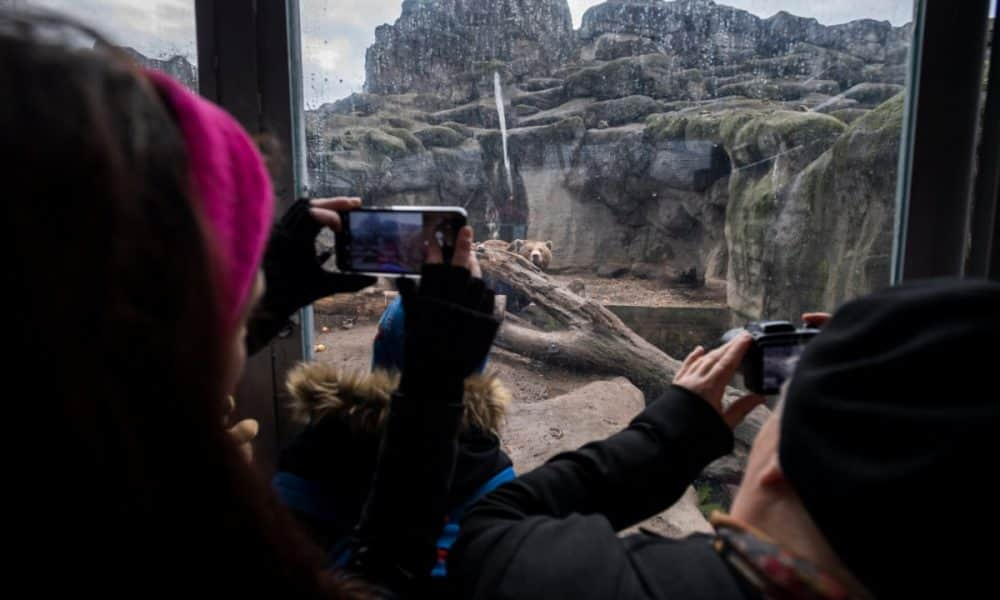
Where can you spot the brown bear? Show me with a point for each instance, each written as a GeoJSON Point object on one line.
{"type": "Point", "coordinates": [492, 245]}
{"type": "Point", "coordinates": [539, 253]}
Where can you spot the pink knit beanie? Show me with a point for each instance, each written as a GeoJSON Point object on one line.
{"type": "Point", "coordinates": [232, 187]}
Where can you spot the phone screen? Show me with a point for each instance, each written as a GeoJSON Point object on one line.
{"type": "Point", "coordinates": [395, 241]}
{"type": "Point", "coordinates": [779, 362]}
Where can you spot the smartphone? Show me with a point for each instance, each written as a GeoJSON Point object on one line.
{"type": "Point", "coordinates": [392, 241]}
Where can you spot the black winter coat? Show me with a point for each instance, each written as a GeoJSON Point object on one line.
{"type": "Point", "coordinates": [553, 533]}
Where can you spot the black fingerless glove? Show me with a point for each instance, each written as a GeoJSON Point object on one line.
{"type": "Point", "coordinates": [449, 328]}
{"type": "Point", "coordinates": [294, 276]}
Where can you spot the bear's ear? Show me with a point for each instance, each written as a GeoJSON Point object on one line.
{"type": "Point", "coordinates": [516, 245]}
{"type": "Point", "coordinates": [549, 244]}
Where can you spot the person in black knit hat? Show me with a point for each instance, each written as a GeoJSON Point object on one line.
{"type": "Point", "coordinates": [861, 485]}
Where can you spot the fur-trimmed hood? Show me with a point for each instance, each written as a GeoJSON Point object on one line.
{"type": "Point", "coordinates": [325, 472]}
{"type": "Point", "coordinates": [319, 390]}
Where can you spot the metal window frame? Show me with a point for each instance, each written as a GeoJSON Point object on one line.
{"type": "Point", "coordinates": [249, 63]}
{"type": "Point", "coordinates": [984, 249]}
{"type": "Point", "coordinates": [938, 158]}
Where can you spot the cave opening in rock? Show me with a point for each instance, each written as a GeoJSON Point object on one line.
{"type": "Point", "coordinates": [719, 166]}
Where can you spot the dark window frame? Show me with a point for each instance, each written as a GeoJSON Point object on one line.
{"type": "Point", "coordinates": [984, 248]}
{"type": "Point", "coordinates": [249, 57]}
{"type": "Point", "coordinates": [938, 172]}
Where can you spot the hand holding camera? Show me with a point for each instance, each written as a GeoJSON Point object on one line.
{"type": "Point", "coordinates": [708, 373]}
{"type": "Point", "coordinates": [765, 351]}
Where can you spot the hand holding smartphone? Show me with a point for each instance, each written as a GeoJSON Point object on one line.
{"type": "Point", "coordinates": [394, 241]}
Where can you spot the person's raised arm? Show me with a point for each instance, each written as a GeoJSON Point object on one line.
{"type": "Point", "coordinates": [578, 500]}
{"type": "Point", "coordinates": [448, 330]}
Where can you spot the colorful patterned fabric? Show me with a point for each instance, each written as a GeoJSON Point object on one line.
{"type": "Point", "coordinates": [775, 572]}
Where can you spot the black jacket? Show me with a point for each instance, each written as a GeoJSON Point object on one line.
{"type": "Point", "coordinates": [552, 533]}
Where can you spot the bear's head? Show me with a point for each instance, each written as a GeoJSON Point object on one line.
{"type": "Point", "coordinates": [539, 253]}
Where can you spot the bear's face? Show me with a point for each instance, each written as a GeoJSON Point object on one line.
{"type": "Point", "coordinates": [539, 253]}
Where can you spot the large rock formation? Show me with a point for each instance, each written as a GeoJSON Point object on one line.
{"type": "Point", "coordinates": [703, 34]}
{"type": "Point", "coordinates": [659, 138]}
{"type": "Point", "coordinates": [699, 32]}
{"type": "Point", "coordinates": [814, 235]}
{"type": "Point", "coordinates": [453, 47]}
{"type": "Point", "coordinates": [178, 67]}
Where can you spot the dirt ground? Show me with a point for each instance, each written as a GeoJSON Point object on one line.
{"type": "Point", "coordinates": [529, 381]}
{"type": "Point", "coordinates": [346, 328]}
{"type": "Point", "coordinates": [646, 292]}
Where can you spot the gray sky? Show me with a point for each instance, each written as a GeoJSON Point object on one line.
{"type": "Point", "coordinates": [335, 33]}
{"type": "Point", "coordinates": [157, 28]}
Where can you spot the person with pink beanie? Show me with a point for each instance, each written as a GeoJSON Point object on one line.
{"type": "Point", "coordinates": [139, 220]}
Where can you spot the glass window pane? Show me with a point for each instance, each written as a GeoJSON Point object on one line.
{"type": "Point", "coordinates": [159, 34]}
{"type": "Point", "coordinates": [687, 165]}
{"type": "Point", "coordinates": [675, 153]}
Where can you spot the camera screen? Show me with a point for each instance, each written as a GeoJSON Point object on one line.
{"type": "Point", "coordinates": [779, 362]}
{"type": "Point", "coordinates": [395, 241]}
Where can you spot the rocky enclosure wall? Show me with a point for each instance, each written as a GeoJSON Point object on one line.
{"type": "Point", "coordinates": [660, 137]}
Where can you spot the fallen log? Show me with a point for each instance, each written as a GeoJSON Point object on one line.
{"type": "Point", "coordinates": [586, 336]}
{"type": "Point", "coordinates": [580, 334]}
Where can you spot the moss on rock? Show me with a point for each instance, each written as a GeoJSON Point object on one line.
{"type": "Point", "coordinates": [782, 131]}
{"type": "Point", "coordinates": [413, 144]}
{"type": "Point", "coordinates": [399, 122]}
{"type": "Point", "coordinates": [849, 115]}
{"type": "Point", "coordinates": [373, 141]}
{"type": "Point", "coordinates": [439, 137]}
{"type": "Point", "coordinates": [654, 75]}
{"type": "Point", "coordinates": [463, 130]}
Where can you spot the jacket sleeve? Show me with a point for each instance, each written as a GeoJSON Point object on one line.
{"type": "Point", "coordinates": [554, 529]}
{"type": "Point", "coordinates": [406, 508]}
{"type": "Point", "coordinates": [396, 537]}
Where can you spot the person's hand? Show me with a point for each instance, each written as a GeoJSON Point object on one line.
{"type": "Point", "coordinates": [243, 433]}
{"type": "Point", "coordinates": [463, 257]}
{"type": "Point", "coordinates": [325, 211]}
{"type": "Point", "coordinates": [708, 374]}
{"type": "Point", "coordinates": [459, 283]}
{"type": "Point", "coordinates": [449, 324]}
{"type": "Point", "coordinates": [816, 319]}
{"type": "Point", "coordinates": [293, 272]}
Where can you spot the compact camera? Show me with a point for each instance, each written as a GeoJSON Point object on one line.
{"type": "Point", "coordinates": [771, 358]}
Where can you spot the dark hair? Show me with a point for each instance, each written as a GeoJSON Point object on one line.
{"type": "Point", "coordinates": [127, 481]}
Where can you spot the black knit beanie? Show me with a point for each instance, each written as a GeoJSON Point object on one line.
{"type": "Point", "coordinates": [890, 435]}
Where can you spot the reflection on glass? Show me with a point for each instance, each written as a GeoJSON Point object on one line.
{"type": "Point", "coordinates": [391, 242]}
{"type": "Point", "coordinates": [159, 34]}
